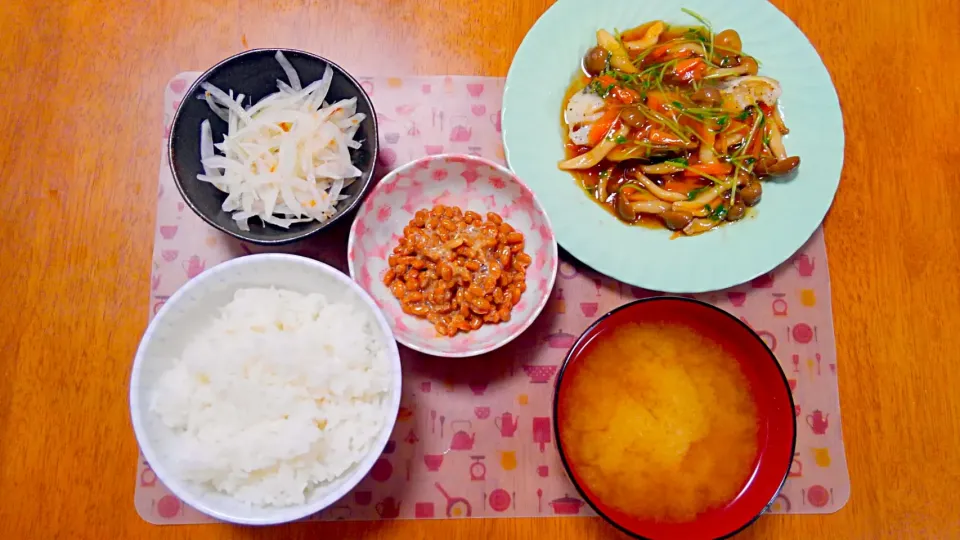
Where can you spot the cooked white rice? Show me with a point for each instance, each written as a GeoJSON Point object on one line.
{"type": "Point", "coordinates": [280, 393]}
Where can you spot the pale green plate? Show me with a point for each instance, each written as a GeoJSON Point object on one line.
{"type": "Point", "coordinates": [790, 211]}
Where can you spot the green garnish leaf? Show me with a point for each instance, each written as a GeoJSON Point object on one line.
{"type": "Point", "coordinates": [744, 115]}
{"type": "Point", "coordinates": [722, 121]}
{"type": "Point", "coordinates": [750, 138]}
{"type": "Point", "coordinates": [678, 105]}
{"type": "Point", "coordinates": [658, 118]}
{"type": "Point", "coordinates": [707, 26]}
{"type": "Point", "coordinates": [696, 16]}
{"type": "Point", "coordinates": [620, 139]}
{"type": "Point", "coordinates": [694, 193]}
{"type": "Point", "coordinates": [718, 213]}
{"type": "Point", "coordinates": [680, 162]}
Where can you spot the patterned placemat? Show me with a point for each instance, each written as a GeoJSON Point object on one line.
{"type": "Point", "coordinates": [474, 437]}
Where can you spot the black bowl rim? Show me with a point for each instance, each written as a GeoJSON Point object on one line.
{"type": "Point", "coordinates": [556, 402]}
{"type": "Point", "coordinates": [317, 227]}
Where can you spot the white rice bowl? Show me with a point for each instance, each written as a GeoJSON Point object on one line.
{"type": "Point", "coordinates": [166, 357]}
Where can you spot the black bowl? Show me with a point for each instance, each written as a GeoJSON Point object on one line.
{"type": "Point", "coordinates": [255, 73]}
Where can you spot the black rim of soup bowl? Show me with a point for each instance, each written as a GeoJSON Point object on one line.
{"type": "Point", "coordinates": [556, 406]}
{"type": "Point", "coordinates": [254, 73]}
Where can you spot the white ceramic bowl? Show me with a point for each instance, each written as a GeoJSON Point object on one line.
{"type": "Point", "coordinates": [198, 301]}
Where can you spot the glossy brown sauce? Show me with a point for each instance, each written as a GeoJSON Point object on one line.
{"type": "Point", "coordinates": [589, 179]}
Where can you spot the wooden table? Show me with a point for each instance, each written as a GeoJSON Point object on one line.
{"type": "Point", "coordinates": [81, 91]}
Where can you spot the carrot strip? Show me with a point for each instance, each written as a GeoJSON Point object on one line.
{"type": "Point", "coordinates": [713, 169]}
{"type": "Point", "coordinates": [685, 66]}
{"type": "Point", "coordinates": [659, 52]}
{"type": "Point", "coordinates": [602, 126]}
{"type": "Point", "coordinates": [606, 80]}
{"type": "Point", "coordinates": [663, 137]}
{"type": "Point", "coordinates": [625, 95]}
{"type": "Point", "coordinates": [683, 186]}
{"type": "Point", "coordinates": [656, 101]}
{"type": "Point", "coordinates": [698, 127]}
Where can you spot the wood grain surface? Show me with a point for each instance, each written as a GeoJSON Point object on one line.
{"type": "Point", "coordinates": [81, 86]}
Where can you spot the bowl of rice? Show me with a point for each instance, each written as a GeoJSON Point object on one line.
{"type": "Point", "coordinates": [265, 389]}
{"type": "Point", "coordinates": [272, 145]}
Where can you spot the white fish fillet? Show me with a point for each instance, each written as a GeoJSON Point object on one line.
{"type": "Point", "coordinates": [582, 110]}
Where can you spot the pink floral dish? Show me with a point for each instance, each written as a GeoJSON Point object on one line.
{"type": "Point", "coordinates": [470, 183]}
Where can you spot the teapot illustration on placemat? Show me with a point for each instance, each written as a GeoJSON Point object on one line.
{"type": "Point", "coordinates": [507, 424]}
{"type": "Point", "coordinates": [193, 266]}
{"type": "Point", "coordinates": [461, 439]}
{"type": "Point", "coordinates": [461, 133]}
{"type": "Point", "coordinates": [805, 265]}
{"type": "Point", "coordinates": [818, 422]}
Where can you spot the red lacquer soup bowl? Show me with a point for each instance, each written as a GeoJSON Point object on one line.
{"type": "Point", "coordinates": [776, 422]}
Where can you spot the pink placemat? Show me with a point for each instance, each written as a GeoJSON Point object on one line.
{"type": "Point", "coordinates": [474, 437]}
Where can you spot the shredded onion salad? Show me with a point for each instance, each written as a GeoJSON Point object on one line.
{"type": "Point", "coordinates": [286, 158]}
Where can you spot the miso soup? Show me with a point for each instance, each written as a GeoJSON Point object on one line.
{"type": "Point", "coordinates": [658, 422]}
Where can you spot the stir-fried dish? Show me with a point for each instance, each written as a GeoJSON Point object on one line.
{"type": "Point", "coordinates": [672, 126]}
